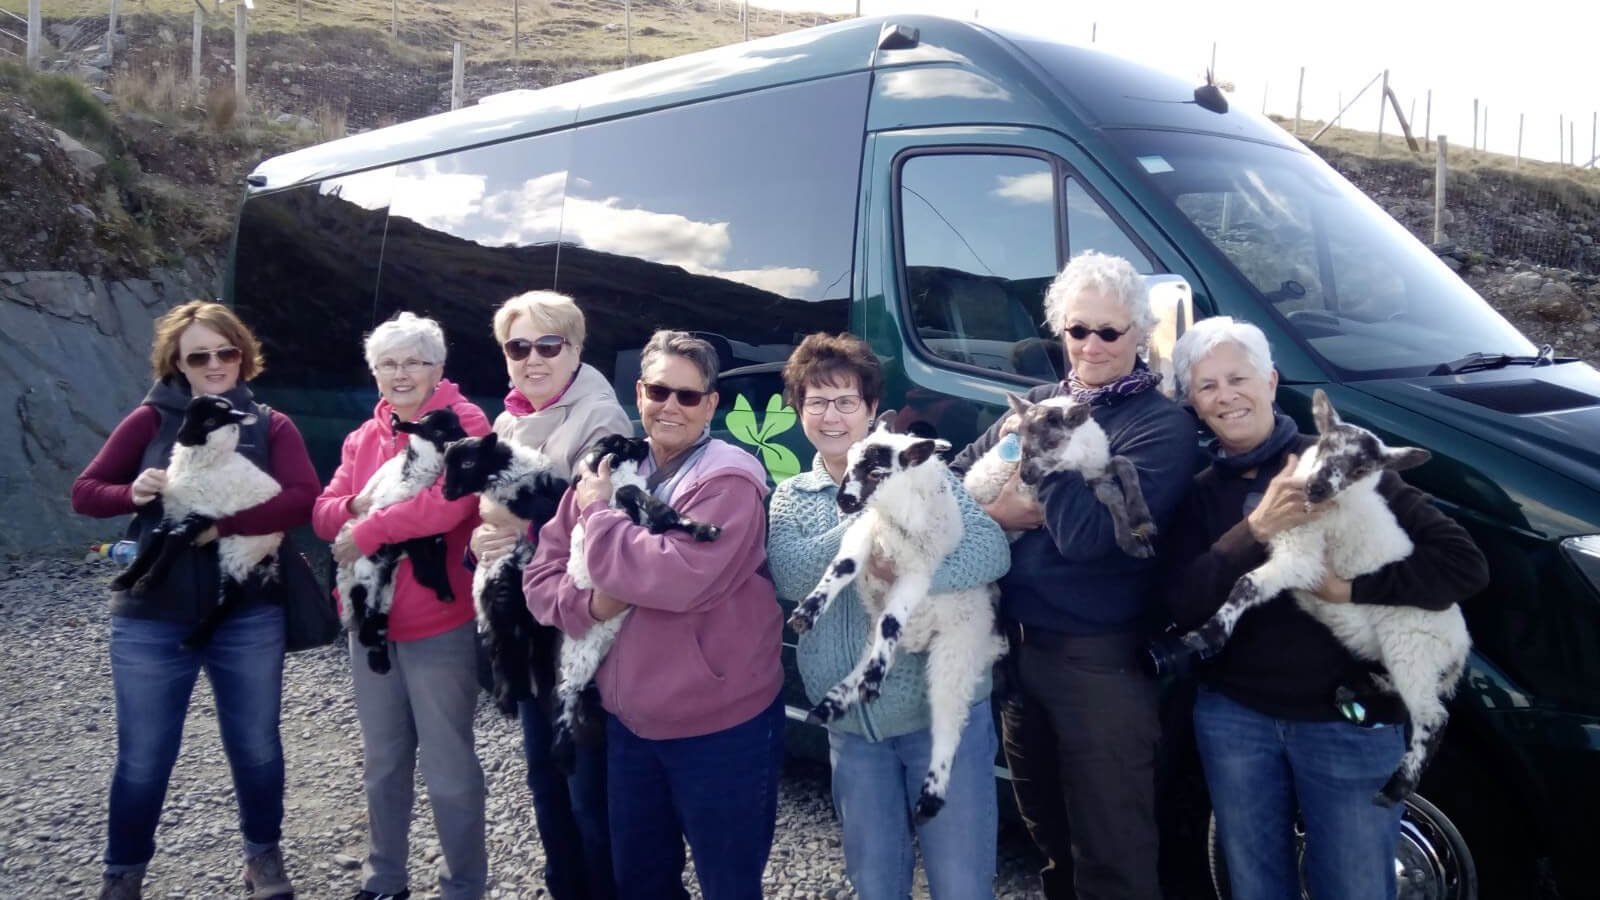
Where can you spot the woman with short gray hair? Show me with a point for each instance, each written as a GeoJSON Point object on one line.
{"type": "Point", "coordinates": [694, 725]}
{"type": "Point", "coordinates": [426, 701]}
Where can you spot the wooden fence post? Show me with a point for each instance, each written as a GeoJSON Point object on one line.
{"type": "Point", "coordinates": [627, 31]}
{"type": "Point", "coordinates": [394, 18]}
{"type": "Point", "coordinates": [1474, 123]}
{"type": "Point", "coordinates": [516, 29]}
{"type": "Point", "coordinates": [458, 76]}
{"type": "Point", "coordinates": [1299, 95]}
{"type": "Point", "coordinates": [744, 13]}
{"type": "Point", "coordinates": [1427, 120]}
{"type": "Point", "coordinates": [1572, 143]}
{"type": "Point", "coordinates": [1561, 132]}
{"type": "Point", "coordinates": [1383, 106]}
{"type": "Point", "coordinates": [195, 60]}
{"type": "Point", "coordinates": [1438, 194]}
{"type": "Point", "coordinates": [299, 13]}
{"type": "Point", "coordinates": [1594, 138]}
{"type": "Point", "coordinates": [241, 24]}
{"type": "Point", "coordinates": [1485, 147]}
{"type": "Point", "coordinates": [111, 32]}
{"type": "Point", "coordinates": [35, 34]}
{"type": "Point", "coordinates": [1518, 163]}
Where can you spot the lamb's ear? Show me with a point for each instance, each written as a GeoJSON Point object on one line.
{"type": "Point", "coordinates": [394, 421]}
{"type": "Point", "coordinates": [1322, 411]}
{"type": "Point", "coordinates": [1076, 414]}
{"type": "Point", "coordinates": [920, 452]}
{"type": "Point", "coordinates": [1399, 459]}
{"type": "Point", "coordinates": [885, 420]}
{"type": "Point", "coordinates": [1018, 403]}
{"type": "Point", "coordinates": [488, 441]}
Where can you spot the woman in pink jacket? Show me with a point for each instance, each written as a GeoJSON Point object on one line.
{"type": "Point", "coordinates": [694, 725]}
{"type": "Point", "coordinates": [428, 697]}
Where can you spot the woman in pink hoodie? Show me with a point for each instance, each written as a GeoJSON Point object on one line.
{"type": "Point", "coordinates": [428, 697]}
{"type": "Point", "coordinates": [694, 725]}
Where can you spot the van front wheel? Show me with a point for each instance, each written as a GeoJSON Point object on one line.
{"type": "Point", "coordinates": [1432, 861]}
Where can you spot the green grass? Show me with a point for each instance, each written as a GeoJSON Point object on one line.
{"type": "Point", "coordinates": [64, 102]}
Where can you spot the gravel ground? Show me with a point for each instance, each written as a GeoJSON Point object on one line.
{"type": "Point", "coordinates": [58, 746]}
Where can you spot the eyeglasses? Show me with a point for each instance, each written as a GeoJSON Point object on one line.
{"type": "Point", "coordinates": [659, 393]}
{"type": "Point", "coordinates": [817, 406]}
{"type": "Point", "coordinates": [199, 359]}
{"type": "Point", "coordinates": [1107, 334]}
{"type": "Point", "coordinates": [389, 367]}
{"type": "Point", "coordinates": [548, 346]}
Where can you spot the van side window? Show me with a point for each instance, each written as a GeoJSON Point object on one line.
{"type": "Point", "coordinates": [466, 231]}
{"type": "Point", "coordinates": [979, 237]}
{"type": "Point", "coordinates": [731, 218]}
{"type": "Point", "coordinates": [1090, 227]}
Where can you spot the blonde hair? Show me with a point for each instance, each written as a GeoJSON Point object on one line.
{"type": "Point", "coordinates": [175, 321]}
{"type": "Point", "coordinates": [553, 312]}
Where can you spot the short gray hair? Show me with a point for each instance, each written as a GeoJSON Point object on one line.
{"type": "Point", "coordinates": [403, 332]}
{"type": "Point", "coordinates": [682, 344]}
{"type": "Point", "coordinates": [1207, 335]}
{"type": "Point", "coordinates": [1111, 276]}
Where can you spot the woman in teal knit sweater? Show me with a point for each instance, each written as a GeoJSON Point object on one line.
{"type": "Point", "coordinates": [879, 750]}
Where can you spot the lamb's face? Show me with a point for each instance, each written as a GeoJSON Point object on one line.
{"type": "Point", "coordinates": [620, 448]}
{"type": "Point", "coordinates": [470, 462]}
{"type": "Point", "coordinates": [439, 427]}
{"type": "Point", "coordinates": [214, 422]}
{"type": "Point", "coordinates": [1045, 431]}
{"type": "Point", "coordinates": [1346, 454]}
{"type": "Point", "coordinates": [879, 457]}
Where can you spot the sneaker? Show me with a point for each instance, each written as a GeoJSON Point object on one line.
{"type": "Point", "coordinates": [374, 895]}
{"type": "Point", "coordinates": [264, 878]}
{"type": "Point", "coordinates": [122, 887]}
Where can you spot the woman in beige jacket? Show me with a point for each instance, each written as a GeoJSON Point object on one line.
{"type": "Point", "coordinates": [560, 407]}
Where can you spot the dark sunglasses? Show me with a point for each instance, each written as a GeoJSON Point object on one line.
{"type": "Point", "coordinates": [1107, 334]}
{"type": "Point", "coordinates": [659, 393]}
{"type": "Point", "coordinates": [199, 359]}
{"type": "Point", "coordinates": [548, 346]}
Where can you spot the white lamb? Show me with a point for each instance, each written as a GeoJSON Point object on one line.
{"type": "Point", "coordinates": [367, 585]}
{"type": "Point", "coordinates": [911, 518]}
{"type": "Point", "coordinates": [1422, 650]}
{"type": "Point", "coordinates": [1059, 434]}
{"type": "Point", "coordinates": [208, 480]}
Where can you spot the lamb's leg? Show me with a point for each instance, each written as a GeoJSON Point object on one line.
{"type": "Point", "coordinates": [507, 644]}
{"type": "Point", "coordinates": [147, 553]}
{"type": "Point", "coordinates": [1139, 526]}
{"type": "Point", "coordinates": [580, 660]}
{"type": "Point", "coordinates": [1111, 497]}
{"type": "Point", "coordinates": [957, 659]}
{"type": "Point", "coordinates": [429, 566]}
{"type": "Point", "coordinates": [843, 695]}
{"type": "Point", "coordinates": [657, 516]}
{"type": "Point", "coordinates": [1279, 573]}
{"type": "Point", "coordinates": [1421, 673]}
{"type": "Point", "coordinates": [178, 539]}
{"type": "Point", "coordinates": [375, 627]}
{"type": "Point", "coordinates": [229, 596]}
{"type": "Point", "coordinates": [905, 596]}
{"type": "Point", "coordinates": [855, 548]}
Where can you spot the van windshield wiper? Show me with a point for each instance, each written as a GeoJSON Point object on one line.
{"type": "Point", "coordinates": [1475, 362]}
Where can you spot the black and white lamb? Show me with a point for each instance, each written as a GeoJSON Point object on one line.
{"type": "Point", "coordinates": [1423, 651]}
{"type": "Point", "coordinates": [581, 658]}
{"type": "Point", "coordinates": [208, 480]}
{"type": "Point", "coordinates": [912, 518]}
{"type": "Point", "coordinates": [1060, 434]}
{"type": "Point", "coordinates": [518, 489]}
{"type": "Point", "coordinates": [367, 585]}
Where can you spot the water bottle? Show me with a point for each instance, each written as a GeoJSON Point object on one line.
{"type": "Point", "coordinates": [121, 553]}
{"type": "Point", "coordinates": [1010, 448]}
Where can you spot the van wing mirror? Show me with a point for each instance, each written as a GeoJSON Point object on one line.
{"type": "Point", "coordinates": [1172, 301]}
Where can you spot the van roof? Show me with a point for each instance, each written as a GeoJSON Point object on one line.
{"type": "Point", "coordinates": [1047, 69]}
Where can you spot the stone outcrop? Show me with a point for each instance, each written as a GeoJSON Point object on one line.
{"type": "Point", "coordinates": [74, 360]}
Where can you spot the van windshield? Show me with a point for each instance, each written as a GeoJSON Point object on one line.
{"type": "Point", "coordinates": [1353, 283]}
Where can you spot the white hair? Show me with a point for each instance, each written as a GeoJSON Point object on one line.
{"type": "Point", "coordinates": [1111, 276]}
{"type": "Point", "coordinates": [406, 331]}
{"type": "Point", "coordinates": [1207, 335]}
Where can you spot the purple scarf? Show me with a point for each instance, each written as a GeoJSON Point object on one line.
{"type": "Point", "coordinates": [1138, 381]}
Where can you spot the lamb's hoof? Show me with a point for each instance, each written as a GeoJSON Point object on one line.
{"type": "Point", "coordinates": [869, 690]}
{"type": "Point", "coordinates": [825, 712]}
{"type": "Point", "coordinates": [708, 533]}
{"type": "Point", "coordinates": [928, 806]}
{"type": "Point", "coordinates": [799, 623]}
{"type": "Point", "coordinates": [378, 662]}
{"type": "Point", "coordinates": [1140, 546]}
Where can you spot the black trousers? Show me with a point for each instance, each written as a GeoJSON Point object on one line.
{"type": "Point", "coordinates": [1081, 733]}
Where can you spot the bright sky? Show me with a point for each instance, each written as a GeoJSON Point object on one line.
{"type": "Point", "coordinates": [1535, 57]}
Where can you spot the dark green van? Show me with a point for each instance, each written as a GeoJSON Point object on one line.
{"type": "Point", "coordinates": [918, 182]}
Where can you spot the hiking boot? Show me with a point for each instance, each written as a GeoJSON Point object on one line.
{"type": "Point", "coordinates": [122, 887]}
{"type": "Point", "coordinates": [264, 878]}
{"type": "Point", "coordinates": [374, 895]}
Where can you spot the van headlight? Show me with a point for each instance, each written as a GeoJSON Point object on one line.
{"type": "Point", "coordinates": [1584, 552]}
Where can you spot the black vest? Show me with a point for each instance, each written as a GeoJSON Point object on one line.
{"type": "Point", "coordinates": [192, 587]}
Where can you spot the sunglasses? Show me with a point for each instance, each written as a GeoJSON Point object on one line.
{"type": "Point", "coordinates": [548, 346]}
{"type": "Point", "coordinates": [1107, 334]}
{"type": "Point", "coordinates": [199, 359]}
{"type": "Point", "coordinates": [659, 393]}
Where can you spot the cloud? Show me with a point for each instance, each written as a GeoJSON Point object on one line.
{"type": "Point", "coordinates": [1034, 187]}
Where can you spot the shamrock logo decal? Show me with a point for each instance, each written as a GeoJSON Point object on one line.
{"type": "Point", "coordinates": [780, 461]}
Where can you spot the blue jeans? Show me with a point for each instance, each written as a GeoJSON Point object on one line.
{"type": "Point", "coordinates": [875, 787]}
{"type": "Point", "coordinates": [570, 812]}
{"type": "Point", "coordinates": [153, 678]}
{"type": "Point", "coordinates": [719, 790]}
{"type": "Point", "coordinates": [1261, 771]}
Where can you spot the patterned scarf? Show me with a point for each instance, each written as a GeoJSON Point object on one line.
{"type": "Point", "coordinates": [1138, 381]}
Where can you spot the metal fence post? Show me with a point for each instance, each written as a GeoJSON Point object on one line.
{"type": "Point", "coordinates": [458, 76]}
{"type": "Point", "coordinates": [35, 34]}
{"type": "Point", "coordinates": [240, 26]}
{"type": "Point", "coordinates": [1438, 194]}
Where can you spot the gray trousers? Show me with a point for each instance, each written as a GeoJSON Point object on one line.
{"type": "Point", "coordinates": [425, 702]}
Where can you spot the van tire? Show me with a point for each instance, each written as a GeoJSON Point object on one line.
{"type": "Point", "coordinates": [1437, 865]}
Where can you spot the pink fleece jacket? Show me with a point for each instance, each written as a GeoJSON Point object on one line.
{"type": "Point", "coordinates": [700, 651]}
{"type": "Point", "coordinates": [417, 612]}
